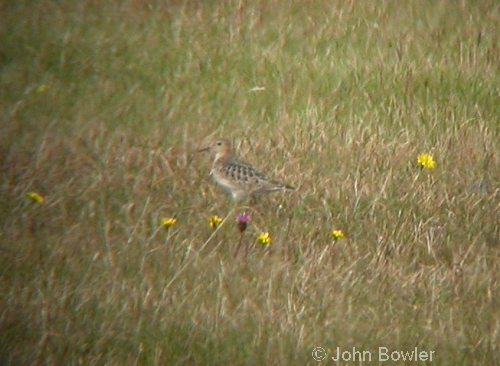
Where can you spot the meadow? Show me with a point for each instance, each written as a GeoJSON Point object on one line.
{"type": "Point", "coordinates": [104, 106]}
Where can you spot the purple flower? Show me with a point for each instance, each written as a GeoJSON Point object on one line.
{"type": "Point", "coordinates": [242, 220]}
{"type": "Point", "coordinates": [243, 217]}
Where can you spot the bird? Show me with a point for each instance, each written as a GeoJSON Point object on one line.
{"type": "Point", "coordinates": [238, 177]}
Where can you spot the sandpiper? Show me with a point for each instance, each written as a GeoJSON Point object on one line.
{"type": "Point", "coordinates": [241, 179]}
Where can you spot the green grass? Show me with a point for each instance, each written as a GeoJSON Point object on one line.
{"type": "Point", "coordinates": [354, 91]}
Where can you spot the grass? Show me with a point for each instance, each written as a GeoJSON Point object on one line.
{"type": "Point", "coordinates": [103, 108]}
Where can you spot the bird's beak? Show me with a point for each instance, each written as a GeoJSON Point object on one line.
{"type": "Point", "coordinates": [204, 149]}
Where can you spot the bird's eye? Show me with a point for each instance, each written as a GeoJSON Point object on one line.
{"type": "Point", "coordinates": [219, 143]}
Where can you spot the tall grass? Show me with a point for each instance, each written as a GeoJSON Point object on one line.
{"type": "Point", "coordinates": [103, 107]}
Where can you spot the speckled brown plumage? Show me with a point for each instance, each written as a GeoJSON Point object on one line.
{"type": "Point", "coordinates": [238, 177]}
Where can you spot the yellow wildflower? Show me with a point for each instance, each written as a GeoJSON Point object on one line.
{"type": "Point", "coordinates": [42, 88]}
{"type": "Point", "coordinates": [214, 221]}
{"type": "Point", "coordinates": [35, 197]}
{"type": "Point", "coordinates": [264, 238]}
{"type": "Point", "coordinates": [337, 234]}
{"type": "Point", "coordinates": [426, 161]}
{"type": "Point", "coordinates": [167, 222]}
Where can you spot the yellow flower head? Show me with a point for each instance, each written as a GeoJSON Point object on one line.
{"type": "Point", "coordinates": [264, 238]}
{"type": "Point", "coordinates": [166, 222]}
{"type": "Point", "coordinates": [42, 88]}
{"type": "Point", "coordinates": [34, 197]}
{"type": "Point", "coordinates": [214, 221]}
{"type": "Point", "coordinates": [426, 161]}
{"type": "Point", "coordinates": [337, 234]}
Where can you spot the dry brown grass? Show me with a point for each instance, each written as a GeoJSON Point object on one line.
{"type": "Point", "coordinates": [353, 92]}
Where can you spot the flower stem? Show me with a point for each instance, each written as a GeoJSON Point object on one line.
{"type": "Point", "coordinates": [239, 244]}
